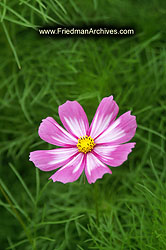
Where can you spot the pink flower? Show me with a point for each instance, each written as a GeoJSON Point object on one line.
{"type": "Point", "coordinates": [84, 148]}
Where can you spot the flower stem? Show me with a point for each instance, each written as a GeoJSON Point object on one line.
{"type": "Point", "coordinates": [96, 197]}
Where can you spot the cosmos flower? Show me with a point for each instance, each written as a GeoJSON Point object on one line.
{"type": "Point", "coordinates": [85, 148]}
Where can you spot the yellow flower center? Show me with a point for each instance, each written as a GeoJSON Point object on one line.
{"type": "Point", "coordinates": [85, 144]}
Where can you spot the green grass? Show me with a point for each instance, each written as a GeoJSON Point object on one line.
{"type": "Point", "coordinates": [37, 75]}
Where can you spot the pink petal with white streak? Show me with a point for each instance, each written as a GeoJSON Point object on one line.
{"type": "Point", "coordinates": [74, 118]}
{"type": "Point", "coordinates": [105, 115]}
{"type": "Point", "coordinates": [94, 168]}
{"type": "Point", "coordinates": [51, 132]}
{"type": "Point", "coordinates": [113, 155]}
{"type": "Point", "coordinates": [47, 160]}
{"type": "Point", "coordinates": [71, 171]}
{"type": "Point", "coordinates": [120, 131]}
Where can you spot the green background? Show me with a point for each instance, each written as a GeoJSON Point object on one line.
{"type": "Point", "coordinates": [37, 74]}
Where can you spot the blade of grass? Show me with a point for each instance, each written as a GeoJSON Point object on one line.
{"type": "Point", "coordinates": [3, 12]}
{"type": "Point", "coordinates": [16, 205]}
{"type": "Point", "coordinates": [11, 45]}
{"type": "Point", "coordinates": [22, 182]}
{"type": "Point", "coordinates": [17, 215]}
{"type": "Point", "coordinates": [24, 21]}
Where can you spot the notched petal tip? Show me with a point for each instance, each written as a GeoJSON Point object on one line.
{"type": "Point", "coordinates": [42, 123]}
{"type": "Point", "coordinates": [66, 103]}
{"type": "Point", "coordinates": [47, 119]}
{"type": "Point", "coordinates": [51, 178]}
{"type": "Point", "coordinates": [30, 156]}
{"type": "Point", "coordinates": [109, 97]}
{"type": "Point", "coordinates": [99, 177]}
{"type": "Point", "coordinates": [132, 116]}
{"type": "Point", "coordinates": [129, 113]}
{"type": "Point", "coordinates": [133, 144]}
{"type": "Point", "coordinates": [61, 181]}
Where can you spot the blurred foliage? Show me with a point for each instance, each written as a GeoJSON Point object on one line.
{"type": "Point", "coordinates": [39, 74]}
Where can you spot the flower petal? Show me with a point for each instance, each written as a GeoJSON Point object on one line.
{"type": "Point", "coordinates": [94, 168]}
{"type": "Point", "coordinates": [47, 160]}
{"type": "Point", "coordinates": [105, 115]}
{"type": "Point", "coordinates": [71, 171]}
{"type": "Point", "coordinates": [74, 118]}
{"type": "Point", "coordinates": [113, 155]}
{"type": "Point", "coordinates": [120, 131]}
{"type": "Point", "coordinates": [51, 132]}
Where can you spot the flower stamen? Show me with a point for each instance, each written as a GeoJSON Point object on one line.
{"type": "Point", "coordinates": [85, 144]}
